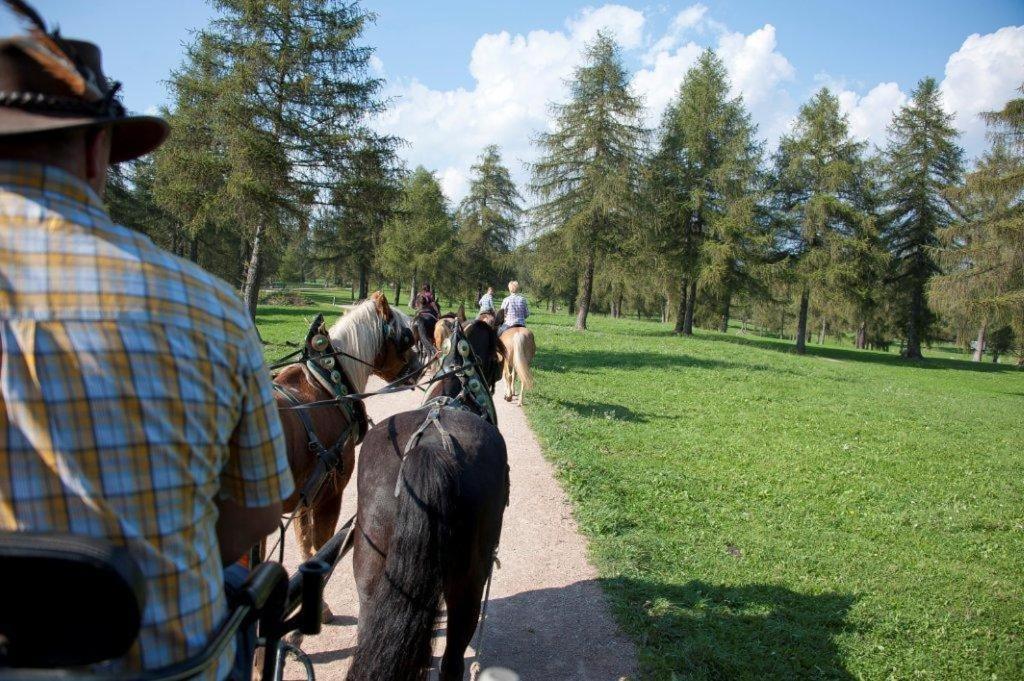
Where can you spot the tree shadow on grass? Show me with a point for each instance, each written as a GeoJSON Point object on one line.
{"type": "Point", "coordinates": [607, 410]}
{"type": "Point", "coordinates": [560, 361]}
{"type": "Point", "coordinates": [868, 356]}
{"type": "Point", "coordinates": [698, 630]}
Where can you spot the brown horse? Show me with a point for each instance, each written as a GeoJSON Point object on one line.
{"type": "Point", "coordinates": [433, 486]}
{"type": "Point", "coordinates": [520, 349]}
{"type": "Point", "coordinates": [378, 340]}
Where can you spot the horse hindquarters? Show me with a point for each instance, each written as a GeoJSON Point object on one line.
{"type": "Point", "coordinates": [397, 620]}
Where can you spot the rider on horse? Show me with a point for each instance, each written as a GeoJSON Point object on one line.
{"type": "Point", "coordinates": [134, 398]}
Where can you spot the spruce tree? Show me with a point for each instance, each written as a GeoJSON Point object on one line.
{"type": "Point", "coordinates": [923, 162]}
{"type": "Point", "coordinates": [588, 176]}
{"type": "Point", "coordinates": [817, 167]}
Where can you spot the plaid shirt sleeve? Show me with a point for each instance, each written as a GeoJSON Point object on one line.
{"type": "Point", "coordinates": [257, 472]}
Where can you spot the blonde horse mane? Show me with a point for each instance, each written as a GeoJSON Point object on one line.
{"type": "Point", "coordinates": [359, 333]}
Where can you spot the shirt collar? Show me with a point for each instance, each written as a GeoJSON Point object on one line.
{"type": "Point", "coordinates": [28, 177]}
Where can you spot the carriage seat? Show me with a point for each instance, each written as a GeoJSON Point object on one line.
{"type": "Point", "coordinates": [66, 600]}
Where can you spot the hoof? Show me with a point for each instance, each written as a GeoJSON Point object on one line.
{"type": "Point", "coordinates": [508, 398]}
{"type": "Point", "coordinates": [326, 617]}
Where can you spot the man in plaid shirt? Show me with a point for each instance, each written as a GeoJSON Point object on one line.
{"type": "Point", "coordinates": [515, 307]}
{"type": "Point", "coordinates": [134, 400]}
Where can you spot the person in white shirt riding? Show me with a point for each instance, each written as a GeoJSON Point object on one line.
{"type": "Point", "coordinates": [486, 301]}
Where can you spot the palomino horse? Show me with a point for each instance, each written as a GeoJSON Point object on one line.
{"type": "Point", "coordinates": [433, 486]}
{"type": "Point", "coordinates": [519, 351]}
{"type": "Point", "coordinates": [372, 338]}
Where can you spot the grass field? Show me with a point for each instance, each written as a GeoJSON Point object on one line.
{"type": "Point", "coordinates": [755, 514]}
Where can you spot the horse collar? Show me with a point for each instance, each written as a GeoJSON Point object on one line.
{"type": "Point", "coordinates": [458, 358]}
{"type": "Point", "coordinates": [318, 358]}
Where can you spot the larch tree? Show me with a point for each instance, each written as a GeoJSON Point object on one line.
{"type": "Point", "coordinates": [703, 175]}
{"type": "Point", "coordinates": [348, 232]}
{"type": "Point", "coordinates": [982, 251]}
{"type": "Point", "coordinates": [817, 216]}
{"type": "Point", "coordinates": [588, 175]}
{"type": "Point", "coordinates": [923, 161]}
{"type": "Point", "coordinates": [417, 243]}
{"type": "Point", "coordinates": [293, 105]}
{"type": "Point", "coordinates": [489, 219]}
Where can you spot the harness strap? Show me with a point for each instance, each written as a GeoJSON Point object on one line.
{"type": "Point", "coordinates": [433, 417]}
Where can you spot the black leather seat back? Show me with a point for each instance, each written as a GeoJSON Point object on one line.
{"type": "Point", "coordinates": [66, 600]}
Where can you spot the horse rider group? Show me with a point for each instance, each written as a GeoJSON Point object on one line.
{"type": "Point", "coordinates": [514, 306]}
{"type": "Point", "coordinates": [135, 403]}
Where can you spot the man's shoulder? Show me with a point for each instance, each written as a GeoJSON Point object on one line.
{"type": "Point", "coordinates": [204, 299]}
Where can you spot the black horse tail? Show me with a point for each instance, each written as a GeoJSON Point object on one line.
{"type": "Point", "coordinates": [395, 640]}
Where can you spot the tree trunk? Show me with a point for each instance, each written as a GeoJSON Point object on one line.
{"type": "Point", "coordinates": [251, 290]}
{"type": "Point", "coordinates": [801, 323]}
{"type": "Point", "coordinates": [193, 249]}
{"type": "Point", "coordinates": [979, 349]}
{"type": "Point", "coordinates": [664, 311]}
{"type": "Point", "coordinates": [726, 303]}
{"type": "Point", "coordinates": [364, 282]}
{"type": "Point", "coordinates": [618, 304]}
{"type": "Point", "coordinates": [412, 290]}
{"type": "Point", "coordinates": [398, 292]}
{"type": "Point", "coordinates": [588, 288]}
{"type": "Point", "coordinates": [684, 287]}
{"type": "Point", "coordinates": [862, 336]}
{"type": "Point", "coordinates": [914, 323]}
{"type": "Point", "coordinates": [691, 303]}
{"type": "Point", "coordinates": [821, 334]}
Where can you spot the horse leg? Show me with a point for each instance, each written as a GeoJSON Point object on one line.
{"type": "Point", "coordinates": [324, 519]}
{"type": "Point", "coordinates": [462, 602]}
{"type": "Point", "coordinates": [510, 378]}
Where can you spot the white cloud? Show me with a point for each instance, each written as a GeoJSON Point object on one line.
{"type": "Point", "coordinates": [981, 76]}
{"type": "Point", "coordinates": [689, 19]}
{"type": "Point", "coordinates": [516, 76]}
{"type": "Point", "coordinates": [756, 69]}
{"type": "Point", "coordinates": [871, 113]}
{"type": "Point", "coordinates": [625, 23]}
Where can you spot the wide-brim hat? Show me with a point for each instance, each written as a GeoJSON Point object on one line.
{"type": "Point", "coordinates": [38, 97]}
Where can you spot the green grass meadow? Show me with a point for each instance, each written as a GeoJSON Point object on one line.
{"type": "Point", "coordinates": [755, 514]}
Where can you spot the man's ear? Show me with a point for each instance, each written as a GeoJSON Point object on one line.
{"type": "Point", "coordinates": [97, 157]}
{"type": "Point", "coordinates": [381, 301]}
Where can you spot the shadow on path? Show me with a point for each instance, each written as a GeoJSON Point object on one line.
{"type": "Point", "coordinates": [757, 631]}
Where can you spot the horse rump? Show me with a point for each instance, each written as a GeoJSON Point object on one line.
{"type": "Point", "coordinates": [395, 638]}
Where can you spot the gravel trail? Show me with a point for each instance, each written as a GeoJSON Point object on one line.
{"type": "Point", "coordinates": [547, 617]}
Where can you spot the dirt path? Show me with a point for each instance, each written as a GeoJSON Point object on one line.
{"type": "Point", "coordinates": [548, 619]}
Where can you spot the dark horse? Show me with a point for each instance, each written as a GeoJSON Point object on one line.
{"type": "Point", "coordinates": [432, 488]}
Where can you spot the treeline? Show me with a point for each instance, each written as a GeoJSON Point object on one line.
{"type": "Point", "coordinates": [697, 223]}
{"type": "Point", "coordinates": [273, 174]}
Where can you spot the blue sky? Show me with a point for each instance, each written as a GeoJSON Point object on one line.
{"type": "Point", "coordinates": [464, 74]}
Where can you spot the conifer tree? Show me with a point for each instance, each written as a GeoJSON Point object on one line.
{"type": "Point", "coordinates": [588, 176]}
{"type": "Point", "coordinates": [417, 242]}
{"type": "Point", "coordinates": [289, 110]}
{"type": "Point", "coordinates": [817, 167]}
{"type": "Point", "coordinates": [703, 173]}
{"type": "Point", "coordinates": [982, 251]}
{"type": "Point", "coordinates": [489, 219]}
{"type": "Point", "coordinates": [923, 162]}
